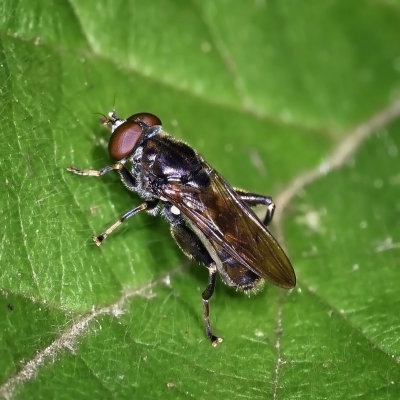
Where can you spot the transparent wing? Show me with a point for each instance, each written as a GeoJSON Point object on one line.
{"type": "Point", "coordinates": [229, 223]}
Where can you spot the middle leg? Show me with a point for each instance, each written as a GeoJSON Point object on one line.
{"type": "Point", "coordinates": [147, 205]}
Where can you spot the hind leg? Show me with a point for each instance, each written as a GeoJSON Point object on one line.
{"type": "Point", "coordinates": [192, 246]}
{"type": "Point", "coordinates": [253, 199]}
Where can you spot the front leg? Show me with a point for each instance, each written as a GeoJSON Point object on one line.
{"type": "Point", "coordinates": [95, 172]}
{"type": "Point", "coordinates": [129, 181]}
{"type": "Point", "coordinates": [252, 199]}
{"type": "Point", "coordinates": [125, 175]}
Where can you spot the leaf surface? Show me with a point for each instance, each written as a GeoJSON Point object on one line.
{"type": "Point", "coordinates": [265, 91]}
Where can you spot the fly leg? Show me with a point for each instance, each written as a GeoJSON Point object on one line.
{"type": "Point", "coordinates": [206, 296]}
{"type": "Point", "coordinates": [252, 199]}
{"type": "Point", "coordinates": [95, 172]}
{"type": "Point", "coordinates": [129, 181]}
{"type": "Point", "coordinates": [192, 246]}
{"type": "Point", "coordinates": [147, 205]}
{"type": "Point", "coordinates": [126, 177]}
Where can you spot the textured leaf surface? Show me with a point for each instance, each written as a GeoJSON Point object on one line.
{"type": "Point", "coordinates": [265, 91]}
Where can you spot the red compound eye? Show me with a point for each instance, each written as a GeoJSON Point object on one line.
{"type": "Point", "coordinates": [145, 118]}
{"type": "Point", "coordinates": [124, 139]}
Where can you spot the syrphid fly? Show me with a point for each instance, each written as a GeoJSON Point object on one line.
{"type": "Point", "coordinates": [211, 222]}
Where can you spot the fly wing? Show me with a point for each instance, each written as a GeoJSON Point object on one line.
{"type": "Point", "coordinates": [229, 223]}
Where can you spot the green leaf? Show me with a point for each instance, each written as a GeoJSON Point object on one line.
{"type": "Point", "coordinates": [266, 91]}
{"type": "Point", "coordinates": [345, 233]}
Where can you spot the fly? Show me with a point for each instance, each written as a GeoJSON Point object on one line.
{"type": "Point", "coordinates": [211, 222]}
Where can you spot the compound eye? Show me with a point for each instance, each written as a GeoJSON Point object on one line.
{"type": "Point", "coordinates": [124, 139]}
{"type": "Point", "coordinates": [145, 118]}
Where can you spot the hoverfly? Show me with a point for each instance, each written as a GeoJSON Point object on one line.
{"type": "Point", "coordinates": [211, 222]}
